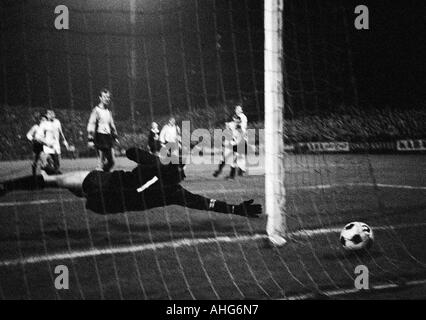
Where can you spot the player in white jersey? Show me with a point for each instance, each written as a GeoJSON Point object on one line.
{"type": "Point", "coordinates": [170, 137]}
{"type": "Point", "coordinates": [241, 152]}
{"type": "Point", "coordinates": [102, 131]}
{"type": "Point", "coordinates": [52, 130]}
{"type": "Point", "coordinates": [36, 136]}
{"type": "Point", "coordinates": [235, 149]}
{"type": "Point", "coordinates": [239, 112]}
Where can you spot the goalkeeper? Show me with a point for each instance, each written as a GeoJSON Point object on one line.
{"type": "Point", "coordinates": [151, 184]}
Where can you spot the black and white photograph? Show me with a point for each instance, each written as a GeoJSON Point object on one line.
{"type": "Point", "coordinates": [220, 152]}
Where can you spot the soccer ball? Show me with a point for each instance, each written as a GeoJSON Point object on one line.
{"type": "Point", "coordinates": [356, 236]}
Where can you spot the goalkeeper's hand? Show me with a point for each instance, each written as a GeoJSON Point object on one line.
{"type": "Point", "coordinates": [248, 209]}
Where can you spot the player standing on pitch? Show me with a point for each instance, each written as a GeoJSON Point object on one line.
{"type": "Point", "coordinates": [154, 144]}
{"type": "Point", "coordinates": [102, 132]}
{"type": "Point", "coordinates": [227, 148]}
{"type": "Point", "coordinates": [240, 149]}
{"type": "Point", "coordinates": [235, 148]}
{"type": "Point", "coordinates": [170, 137]}
{"type": "Point", "coordinates": [52, 132]}
{"type": "Point", "coordinates": [36, 136]}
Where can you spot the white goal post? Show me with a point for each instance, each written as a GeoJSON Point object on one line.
{"type": "Point", "coordinates": [274, 117]}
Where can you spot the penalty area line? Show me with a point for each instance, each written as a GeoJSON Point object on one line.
{"type": "Point", "coordinates": [177, 244]}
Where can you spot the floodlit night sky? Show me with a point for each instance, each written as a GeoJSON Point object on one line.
{"type": "Point", "coordinates": [387, 61]}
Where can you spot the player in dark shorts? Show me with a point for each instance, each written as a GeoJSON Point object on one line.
{"type": "Point", "coordinates": [37, 150]}
{"type": "Point", "coordinates": [154, 144]}
{"type": "Point", "coordinates": [151, 184]}
{"type": "Point", "coordinates": [36, 136]}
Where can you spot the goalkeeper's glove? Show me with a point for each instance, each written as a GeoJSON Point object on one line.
{"type": "Point", "coordinates": [248, 209]}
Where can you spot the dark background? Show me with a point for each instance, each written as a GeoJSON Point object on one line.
{"type": "Point", "coordinates": [196, 54]}
{"type": "Point", "coordinates": [389, 59]}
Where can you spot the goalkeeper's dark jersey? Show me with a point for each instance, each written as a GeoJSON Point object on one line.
{"type": "Point", "coordinates": [150, 184]}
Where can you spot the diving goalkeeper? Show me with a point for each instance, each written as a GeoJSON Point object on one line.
{"type": "Point", "coordinates": [151, 184]}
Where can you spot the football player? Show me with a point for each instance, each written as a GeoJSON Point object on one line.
{"type": "Point", "coordinates": [52, 132]}
{"type": "Point", "coordinates": [151, 184]}
{"type": "Point", "coordinates": [240, 161]}
{"type": "Point", "coordinates": [102, 132]}
{"type": "Point", "coordinates": [234, 150]}
{"type": "Point", "coordinates": [154, 144]}
{"type": "Point", "coordinates": [170, 137]}
{"type": "Point", "coordinates": [36, 136]}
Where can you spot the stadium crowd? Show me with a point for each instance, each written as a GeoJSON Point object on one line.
{"type": "Point", "coordinates": [347, 125]}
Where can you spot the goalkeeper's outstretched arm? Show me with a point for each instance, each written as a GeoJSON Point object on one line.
{"type": "Point", "coordinates": [195, 201]}
{"type": "Point", "coordinates": [176, 194]}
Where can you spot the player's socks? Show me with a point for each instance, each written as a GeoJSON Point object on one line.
{"type": "Point", "coordinates": [231, 173]}
{"type": "Point", "coordinates": [219, 169]}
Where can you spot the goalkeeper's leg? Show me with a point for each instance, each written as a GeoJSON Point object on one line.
{"type": "Point", "coordinates": [72, 181]}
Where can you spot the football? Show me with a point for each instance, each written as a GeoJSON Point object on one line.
{"type": "Point", "coordinates": [356, 236]}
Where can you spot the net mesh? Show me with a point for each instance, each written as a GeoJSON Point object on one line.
{"type": "Point", "coordinates": [196, 60]}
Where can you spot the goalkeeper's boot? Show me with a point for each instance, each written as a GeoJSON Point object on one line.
{"type": "Point", "coordinates": [231, 174]}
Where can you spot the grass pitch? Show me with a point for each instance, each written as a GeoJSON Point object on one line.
{"type": "Point", "coordinates": [179, 253]}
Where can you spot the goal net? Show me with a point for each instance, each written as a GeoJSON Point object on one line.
{"type": "Point", "coordinates": [311, 162]}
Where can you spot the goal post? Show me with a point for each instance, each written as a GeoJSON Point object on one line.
{"type": "Point", "coordinates": [274, 121]}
